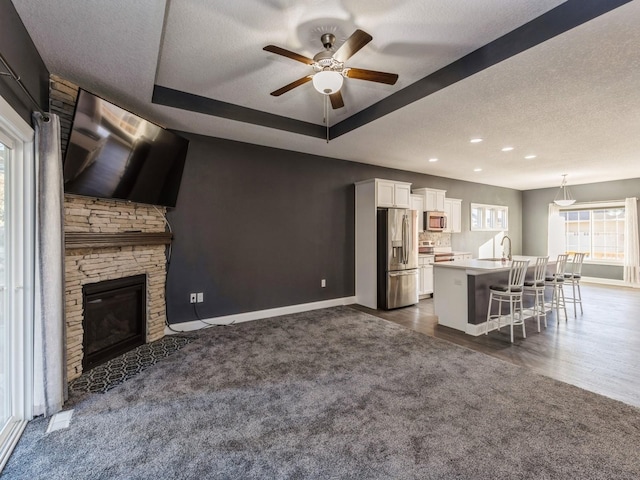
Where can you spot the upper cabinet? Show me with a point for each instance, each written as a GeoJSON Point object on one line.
{"type": "Point", "coordinates": [392, 194]}
{"type": "Point", "coordinates": [453, 209]}
{"type": "Point", "coordinates": [417, 203]}
{"type": "Point", "coordinates": [433, 199]}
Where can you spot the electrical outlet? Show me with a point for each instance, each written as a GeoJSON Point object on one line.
{"type": "Point", "coordinates": [192, 298]}
{"type": "Point", "coordinates": [323, 283]}
{"type": "Point", "coordinates": [200, 297]}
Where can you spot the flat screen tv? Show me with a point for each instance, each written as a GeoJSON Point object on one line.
{"type": "Point", "coordinates": [113, 153]}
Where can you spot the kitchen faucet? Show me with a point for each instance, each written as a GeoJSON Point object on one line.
{"type": "Point", "coordinates": [506, 237]}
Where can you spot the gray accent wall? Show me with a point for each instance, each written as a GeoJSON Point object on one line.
{"type": "Point", "coordinates": [19, 51]}
{"type": "Point", "coordinates": [535, 213]}
{"type": "Point", "coordinates": [258, 228]}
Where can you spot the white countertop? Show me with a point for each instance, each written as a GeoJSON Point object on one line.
{"type": "Point", "coordinates": [479, 267]}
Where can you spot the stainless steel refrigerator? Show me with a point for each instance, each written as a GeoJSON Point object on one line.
{"type": "Point", "coordinates": [397, 257]}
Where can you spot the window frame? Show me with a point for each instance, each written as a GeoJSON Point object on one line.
{"type": "Point", "coordinates": [486, 212]}
{"type": "Point", "coordinates": [20, 174]}
{"type": "Point", "coordinates": [590, 206]}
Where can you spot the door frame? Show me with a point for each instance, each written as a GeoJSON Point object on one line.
{"type": "Point", "coordinates": [20, 290]}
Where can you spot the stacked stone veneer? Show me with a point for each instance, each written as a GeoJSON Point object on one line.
{"type": "Point", "coordinates": [62, 102]}
{"type": "Point", "coordinates": [91, 265]}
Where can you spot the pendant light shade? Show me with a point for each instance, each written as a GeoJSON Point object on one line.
{"type": "Point", "coordinates": [327, 82]}
{"type": "Point", "coordinates": [563, 197]}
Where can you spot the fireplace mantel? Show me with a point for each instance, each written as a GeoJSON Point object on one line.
{"type": "Point", "coordinates": [75, 240]}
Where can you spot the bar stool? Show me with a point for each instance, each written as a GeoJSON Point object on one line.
{"type": "Point", "coordinates": [573, 278]}
{"type": "Point", "coordinates": [556, 281]}
{"type": "Point", "coordinates": [536, 288]}
{"type": "Point", "coordinates": [512, 294]}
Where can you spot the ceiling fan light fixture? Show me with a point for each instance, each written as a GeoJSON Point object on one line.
{"type": "Point", "coordinates": [563, 197]}
{"type": "Point", "coordinates": [328, 82]}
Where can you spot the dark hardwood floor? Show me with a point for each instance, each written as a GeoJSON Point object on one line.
{"type": "Point", "coordinates": [598, 350]}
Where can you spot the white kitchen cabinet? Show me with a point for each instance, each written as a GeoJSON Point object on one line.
{"type": "Point", "coordinates": [418, 204]}
{"type": "Point", "coordinates": [371, 194]}
{"type": "Point", "coordinates": [392, 194]}
{"type": "Point", "coordinates": [425, 265]}
{"type": "Point", "coordinates": [433, 199]}
{"type": "Point", "coordinates": [453, 209]}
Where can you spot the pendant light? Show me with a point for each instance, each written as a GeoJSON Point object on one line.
{"type": "Point", "coordinates": [563, 197]}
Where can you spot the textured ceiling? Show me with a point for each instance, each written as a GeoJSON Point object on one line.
{"type": "Point", "coordinates": [573, 100]}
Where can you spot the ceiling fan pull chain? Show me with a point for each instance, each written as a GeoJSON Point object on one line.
{"type": "Point", "coordinates": [326, 115]}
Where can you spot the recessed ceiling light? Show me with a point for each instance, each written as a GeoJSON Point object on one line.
{"type": "Point", "coordinates": [477, 169]}
{"type": "Point", "coordinates": [433, 160]}
{"type": "Point", "coordinates": [507, 149]}
{"type": "Point", "coordinates": [476, 140]}
{"type": "Point", "coordinates": [529, 157]}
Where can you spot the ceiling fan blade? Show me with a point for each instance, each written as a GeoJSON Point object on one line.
{"type": "Point", "coordinates": [289, 54]}
{"type": "Point", "coordinates": [336, 100]}
{"type": "Point", "coordinates": [354, 43]}
{"type": "Point", "coordinates": [372, 75]}
{"type": "Point", "coordinates": [292, 85]}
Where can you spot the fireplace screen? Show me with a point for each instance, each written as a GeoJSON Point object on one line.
{"type": "Point", "coordinates": [115, 318]}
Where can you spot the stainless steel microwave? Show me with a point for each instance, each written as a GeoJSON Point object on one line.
{"type": "Point", "coordinates": [435, 221]}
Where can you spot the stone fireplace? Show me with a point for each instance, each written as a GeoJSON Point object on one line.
{"type": "Point", "coordinates": [107, 240]}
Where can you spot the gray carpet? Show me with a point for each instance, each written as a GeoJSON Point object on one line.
{"type": "Point", "coordinates": [333, 394]}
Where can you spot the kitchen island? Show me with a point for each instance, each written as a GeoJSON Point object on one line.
{"type": "Point", "coordinates": [461, 290]}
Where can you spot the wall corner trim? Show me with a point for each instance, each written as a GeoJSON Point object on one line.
{"type": "Point", "coordinates": [258, 315]}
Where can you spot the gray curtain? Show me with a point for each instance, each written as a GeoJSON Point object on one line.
{"type": "Point", "coordinates": [50, 388]}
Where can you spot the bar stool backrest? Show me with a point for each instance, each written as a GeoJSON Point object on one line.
{"type": "Point", "coordinates": [576, 265]}
{"type": "Point", "coordinates": [540, 270]}
{"type": "Point", "coordinates": [517, 273]}
{"type": "Point", "coordinates": [561, 265]}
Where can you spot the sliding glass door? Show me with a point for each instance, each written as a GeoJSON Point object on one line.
{"type": "Point", "coordinates": [16, 277]}
{"type": "Point", "coordinates": [5, 332]}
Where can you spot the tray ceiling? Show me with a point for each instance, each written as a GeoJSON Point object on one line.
{"type": "Point", "coordinates": [570, 99]}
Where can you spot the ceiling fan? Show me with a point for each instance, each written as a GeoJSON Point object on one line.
{"type": "Point", "coordinates": [329, 69]}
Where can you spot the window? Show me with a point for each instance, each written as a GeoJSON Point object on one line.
{"type": "Point", "coordinates": [489, 217]}
{"type": "Point", "coordinates": [598, 232]}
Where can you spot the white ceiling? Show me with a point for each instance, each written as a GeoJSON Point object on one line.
{"type": "Point", "coordinates": [573, 100]}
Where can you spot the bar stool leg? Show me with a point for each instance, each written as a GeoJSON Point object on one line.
{"type": "Point", "coordinates": [579, 296]}
{"type": "Point", "coordinates": [489, 313]}
{"type": "Point", "coordinates": [524, 333]}
{"type": "Point", "coordinates": [564, 304]}
{"type": "Point", "coordinates": [536, 308]}
{"type": "Point", "coordinates": [554, 301]}
{"type": "Point", "coordinates": [511, 313]}
{"type": "Point", "coordinates": [543, 312]}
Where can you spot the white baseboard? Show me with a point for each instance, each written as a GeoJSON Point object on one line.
{"type": "Point", "coordinates": [258, 315]}
{"type": "Point", "coordinates": [11, 440]}
{"type": "Point", "coordinates": [479, 329]}
{"type": "Point", "coordinates": [606, 281]}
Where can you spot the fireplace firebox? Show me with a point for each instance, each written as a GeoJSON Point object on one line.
{"type": "Point", "coordinates": [115, 318]}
